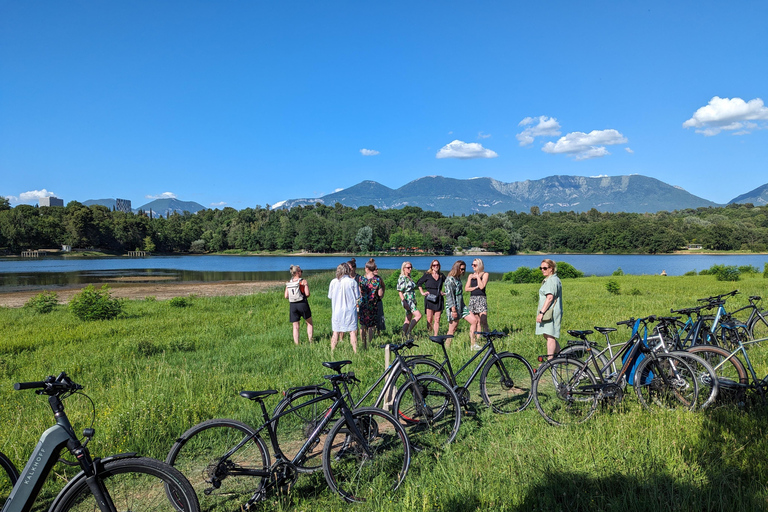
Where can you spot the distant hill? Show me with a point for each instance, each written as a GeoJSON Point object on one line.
{"type": "Point", "coordinates": [164, 207]}
{"type": "Point", "coordinates": [109, 203]}
{"type": "Point", "coordinates": [634, 193]}
{"type": "Point", "coordinates": [758, 197]}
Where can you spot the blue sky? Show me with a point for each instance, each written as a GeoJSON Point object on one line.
{"type": "Point", "coordinates": [235, 103]}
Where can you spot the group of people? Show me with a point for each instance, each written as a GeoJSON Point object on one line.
{"type": "Point", "coordinates": [357, 299]}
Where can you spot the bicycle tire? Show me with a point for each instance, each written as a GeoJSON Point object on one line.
{"type": "Point", "coordinates": [351, 472]}
{"type": "Point", "coordinates": [505, 383]}
{"type": "Point", "coordinates": [731, 374]}
{"type": "Point", "coordinates": [137, 484]}
{"type": "Point", "coordinates": [419, 366]}
{"type": "Point", "coordinates": [709, 385]}
{"type": "Point", "coordinates": [558, 391]}
{"type": "Point", "coordinates": [8, 477]}
{"type": "Point", "coordinates": [666, 381]}
{"type": "Point", "coordinates": [433, 421]}
{"type": "Point", "coordinates": [294, 428]}
{"type": "Point", "coordinates": [758, 329]}
{"type": "Point", "coordinates": [199, 453]}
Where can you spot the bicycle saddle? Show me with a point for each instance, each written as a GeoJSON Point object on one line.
{"type": "Point", "coordinates": [336, 365]}
{"type": "Point", "coordinates": [255, 395]}
{"type": "Point", "coordinates": [604, 330]}
{"type": "Point", "coordinates": [580, 334]}
{"type": "Point", "coordinates": [440, 339]}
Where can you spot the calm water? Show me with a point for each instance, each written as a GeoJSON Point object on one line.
{"type": "Point", "coordinates": [17, 274]}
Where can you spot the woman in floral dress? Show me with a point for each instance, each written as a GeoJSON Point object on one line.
{"type": "Point", "coordinates": [371, 291]}
{"type": "Point", "coordinates": [407, 289]}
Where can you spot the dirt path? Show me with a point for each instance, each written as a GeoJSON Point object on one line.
{"type": "Point", "coordinates": [162, 291]}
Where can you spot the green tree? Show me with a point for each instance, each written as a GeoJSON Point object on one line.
{"type": "Point", "coordinates": [364, 238]}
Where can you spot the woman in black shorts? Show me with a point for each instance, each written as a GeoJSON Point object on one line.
{"type": "Point", "coordinates": [433, 281]}
{"type": "Point", "coordinates": [478, 302]}
{"type": "Point", "coordinates": [297, 291]}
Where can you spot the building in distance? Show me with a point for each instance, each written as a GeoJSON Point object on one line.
{"type": "Point", "coordinates": [51, 201]}
{"type": "Point", "coordinates": [123, 205]}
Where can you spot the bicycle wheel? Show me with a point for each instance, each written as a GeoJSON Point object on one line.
{"type": "Point", "coordinates": [666, 381]}
{"type": "Point", "coordinates": [758, 330]}
{"type": "Point", "coordinates": [505, 383]}
{"type": "Point", "coordinates": [731, 375]}
{"type": "Point", "coordinates": [135, 484]}
{"type": "Point", "coordinates": [559, 391]}
{"type": "Point", "coordinates": [361, 469]}
{"type": "Point", "coordinates": [294, 428]}
{"type": "Point", "coordinates": [422, 366]}
{"type": "Point", "coordinates": [430, 411]}
{"type": "Point", "coordinates": [8, 477]}
{"type": "Point", "coordinates": [709, 385]}
{"type": "Point", "coordinates": [219, 457]}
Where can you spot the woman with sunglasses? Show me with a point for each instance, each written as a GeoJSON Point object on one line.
{"type": "Point", "coordinates": [478, 303]}
{"type": "Point", "coordinates": [454, 298]}
{"type": "Point", "coordinates": [407, 289]}
{"type": "Point", "coordinates": [297, 291]}
{"type": "Point", "coordinates": [433, 281]}
{"type": "Point", "coordinates": [550, 297]}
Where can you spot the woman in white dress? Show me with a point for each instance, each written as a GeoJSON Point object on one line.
{"type": "Point", "coordinates": [344, 293]}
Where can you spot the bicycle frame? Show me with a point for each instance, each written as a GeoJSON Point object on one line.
{"type": "Point", "coordinates": [488, 349]}
{"type": "Point", "coordinates": [760, 385]}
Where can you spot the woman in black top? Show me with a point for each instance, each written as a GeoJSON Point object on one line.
{"type": "Point", "coordinates": [433, 281]}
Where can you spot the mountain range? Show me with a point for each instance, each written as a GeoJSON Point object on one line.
{"type": "Point", "coordinates": [632, 193]}
{"type": "Point", "coordinates": [158, 207]}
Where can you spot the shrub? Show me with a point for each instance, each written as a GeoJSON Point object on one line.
{"type": "Point", "coordinates": [568, 271]}
{"type": "Point", "coordinates": [749, 269]}
{"type": "Point", "coordinates": [613, 287]}
{"type": "Point", "coordinates": [180, 302]}
{"type": "Point", "coordinates": [725, 272]}
{"type": "Point", "coordinates": [391, 280]}
{"type": "Point", "coordinates": [635, 292]}
{"type": "Point", "coordinates": [43, 302]}
{"type": "Point", "coordinates": [691, 273]}
{"type": "Point", "coordinates": [524, 275]}
{"type": "Point", "coordinates": [93, 304]}
{"type": "Point", "coordinates": [765, 270]}
{"type": "Point", "coordinates": [618, 272]}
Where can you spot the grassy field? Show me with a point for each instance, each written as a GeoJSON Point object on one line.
{"type": "Point", "coordinates": [158, 370]}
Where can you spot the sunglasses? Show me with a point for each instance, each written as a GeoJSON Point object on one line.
{"type": "Point", "coordinates": [435, 265]}
{"type": "Point", "coordinates": [463, 269]}
{"type": "Point", "coordinates": [543, 268]}
{"type": "Point", "coordinates": [408, 266]}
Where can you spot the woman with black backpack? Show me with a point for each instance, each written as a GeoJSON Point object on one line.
{"type": "Point", "coordinates": [297, 291]}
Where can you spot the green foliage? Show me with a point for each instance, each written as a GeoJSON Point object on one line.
{"type": "Point", "coordinates": [567, 271]}
{"type": "Point", "coordinates": [691, 273]}
{"type": "Point", "coordinates": [765, 270]}
{"type": "Point", "coordinates": [618, 272]}
{"type": "Point", "coordinates": [748, 269]}
{"type": "Point", "coordinates": [93, 304]}
{"type": "Point", "coordinates": [149, 245]}
{"type": "Point", "coordinates": [180, 302]}
{"type": "Point", "coordinates": [43, 302]}
{"type": "Point", "coordinates": [724, 272]}
{"type": "Point", "coordinates": [635, 292]}
{"type": "Point", "coordinates": [524, 275]}
{"type": "Point", "coordinates": [613, 287]}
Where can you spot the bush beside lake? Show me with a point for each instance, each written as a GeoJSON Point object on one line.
{"type": "Point", "coordinates": [156, 370]}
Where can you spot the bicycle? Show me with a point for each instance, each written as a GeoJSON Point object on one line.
{"type": "Point", "coordinates": [565, 389]}
{"type": "Point", "coordinates": [426, 405]}
{"type": "Point", "coordinates": [8, 477]}
{"type": "Point", "coordinates": [757, 322]}
{"type": "Point", "coordinates": [117, 483]}
{"type": "Point", "coordinates": [365, 452]}
{"type": "Point", "coordinates": [505, 380]}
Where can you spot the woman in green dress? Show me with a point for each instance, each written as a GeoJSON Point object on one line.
{"type": "Point", "coordinates": [550, 297]}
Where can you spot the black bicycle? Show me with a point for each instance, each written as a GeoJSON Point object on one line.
{"type": "Point", "coordinates": [122, 482]}
{"type": "Point", "coordinates": [505, 377]}
{"type": "Point", "coordinates": [426, 405]}
{"type": "Point", "coordinates": [365, 453]}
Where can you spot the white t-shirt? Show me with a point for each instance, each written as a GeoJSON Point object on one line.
{"type": "Point", "coordinates": [344, 294]}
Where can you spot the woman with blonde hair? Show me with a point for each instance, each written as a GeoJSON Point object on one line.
{"type": "Point", "coordinates": [297, 292]}
{"type": "Point", "coordinates": [407, 289]}
{"type": "Point", "coordinates": [344, 294]}
{"type": "Point", "coordinates": [550, 307]}
{"type": "Point", "coordinates": [433, 281]}
{"type": "Point", "coordinates": [478, 302]}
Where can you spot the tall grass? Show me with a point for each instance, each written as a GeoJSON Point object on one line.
{"type": "Point", "coordinates": [157, 370]}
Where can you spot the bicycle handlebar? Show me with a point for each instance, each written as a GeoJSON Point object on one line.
{"type": "Point", "coordinates": [51, 385]}
{"type": "Point", "coordinates": [631, 321]}
{"type": "Point", "coordinates": [722, 296]}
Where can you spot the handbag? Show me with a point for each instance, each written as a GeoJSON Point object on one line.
{"type": "Point", "coordinates": [431, 297]}
{"type": "Point", "coordinates": [549, 314]}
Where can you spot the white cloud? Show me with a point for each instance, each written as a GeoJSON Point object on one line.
{"type": "Point", "coordinates": [544, 127]}
{"type": "Point", "coordinates": [481, 135]}
{"type": "Point", "coordinates": [31, 196]}
{"type": "Point", "coordinates": [164, 195]}
{"type": "Point", "coordinates": [465, 150]}
{"type": "Point", "coordinates": [629, 150]}
{"type": "Point", "coordinates": [220, 203]}
{"type": "Point", "coordinates": [729, 114]}
{"type": "Point", "coordinates": [338, 190]}
{"type": "Point", "coordinates": [583, 146]}
{"type": "Point", "coordinates": [368, 152]}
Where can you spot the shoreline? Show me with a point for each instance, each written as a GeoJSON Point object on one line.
{"type": "Point", "coordinates": [139, 291]}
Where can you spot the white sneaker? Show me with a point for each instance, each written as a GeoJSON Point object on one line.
{"type": "Point", "coordinates": [475, 347]}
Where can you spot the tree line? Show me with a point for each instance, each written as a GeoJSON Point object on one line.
{"type": "Point", "coordinates": [320, 228]}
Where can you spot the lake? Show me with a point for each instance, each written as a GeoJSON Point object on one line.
{"type": "Point", "coordinates": [18, 274]}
